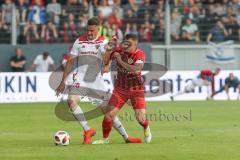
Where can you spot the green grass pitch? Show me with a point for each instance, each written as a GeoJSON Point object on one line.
{"type": "Point", "coordinates": [207, 130]}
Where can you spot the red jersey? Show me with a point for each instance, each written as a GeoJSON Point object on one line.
{"type": "Point", "coordinates": [208, 75]}
{"type": "Point", "coordinates": [127, 80]}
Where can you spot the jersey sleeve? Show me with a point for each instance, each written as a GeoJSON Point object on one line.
{"type": "Point", "coordinates": [74, 50]}
{"type": "Point", "coordinates": [116, 49]}
{"type": "Point", "coordinates": [140, 59]}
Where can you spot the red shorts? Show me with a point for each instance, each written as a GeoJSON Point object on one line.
{"type": "Point", "coordinates": [119, 98]}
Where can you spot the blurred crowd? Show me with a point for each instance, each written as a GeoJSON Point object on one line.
{"type": "Point", "coordinates": [59, 21]}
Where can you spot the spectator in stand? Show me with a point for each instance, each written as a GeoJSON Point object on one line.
{"type": "Point", "coordinates": [131, 4]}
{"type": "Point", "coordinates": [131, 29]}
{"type": "Point", "coordinates": [115, 18]}
{"type": "Point", "coordinates": [65, 33]}
{"type": "Point", "coordinates": [82, 24]}
{"type": "Point", "coordinates": [37, 13]}
{"type": "Point", "coordinates": [4, 33]}
{"type": "Point", "coordinates": [218, 33]}
{"type": "Point", "coordinates": [21, 16]}
{"type": "Point", "coordinates": [219, 9]}
{"type": "Point", "coordinates": [72, 24]}
{"type": "Point", "coordinates": [33, 2]}
{"type": "Point", "coordinates": [144, 7]}
{"type": "Point", "coordinates": [159, 31]}
{"type": "Point", "coordinates": [202, 11]}
{"type": "Point", "coordinates": [232, 28]}
{"type": "Point", "coordinates": [190, 31]}
{"type": "Point", "coordinates": [49, 33]}
{"type": "Point", "coordinates": [17, 62]}
{"type": "Point", "coordinates": [226, 18]}
{"type": "Point", "coordinates": [192, 10]}
{"type": "Point", "coordinates": [30, 33]}
{"type": "Point", "coordinates": [129, 17]}
{"type": "Point", "coordinates": [68, 31]}
{"type": "Point", "coordinates": [160, 4]}
{"type": "Point", "coordinates": [105, 30]}
{"type": "Point", "coordinates": [234, 5]}
{"type": "Point", "coordinates": [104, 8]}
{"type": "Point", "coordinates": [3, 27]}
{"type": "Point", "coordinates": [146, 31]}
{"type": "Point", "coordinates": [117, 6]}
{"type": "Point", "coordinates": [42, 63]}
{"type": "Point", "coordinates": [146, 17]}
{"type": "Point", "coordinates": [117, 32]}
{"type": "Point", "coordinates": [238, 20]}
{"type": "Point", "coordinates": [54, 11]}
{"type": "Point", "coordinates": [7, 12]}
{"type": "Point", "coordinates": [21, 13]}
{"type": "Point", "coordinates": [159, 15]}
{"type": "Point", "coordinates": [176, 21]}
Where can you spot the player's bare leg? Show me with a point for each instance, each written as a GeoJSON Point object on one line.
{"type": "Point", "coordinates": [111, 120]}
{"type": "Point", "coordinates": [177, 94]}
{"type": "Point", "coordinates": [188, 89]}
{"type": "Point", "coordinates": [77, 112]}
{"type": "Point", "coordinates": [238, 98]}
{"type": "Point", "coordinates": [116, 123]}
{"type": "Point", "coordinates": [107, 124]}
{"type": "Point", "coordinates": [144, 122]}
{"type": "Point", "coordinates": [226, 88]}
{"type": "Point", "coordinates": [209, 97]}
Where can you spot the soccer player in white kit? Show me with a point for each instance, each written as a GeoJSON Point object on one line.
{"type": "Point", "coordinates": [95, 48]}
{"type": "Point", "coordinates": [205, 78]}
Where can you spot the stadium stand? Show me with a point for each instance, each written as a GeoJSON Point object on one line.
{"type": "Point", "coordinates": [58, 21]}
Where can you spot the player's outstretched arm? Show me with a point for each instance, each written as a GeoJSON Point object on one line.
{"type": "Point", "coordinates": [66, 72]}
{"type": "Point", "coordinates": [106, 57]}
{"type": "Point", "coordinates": [109, 48]}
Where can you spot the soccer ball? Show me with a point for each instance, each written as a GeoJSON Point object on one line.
{"type": "Point", "coordinates": [62, 138]}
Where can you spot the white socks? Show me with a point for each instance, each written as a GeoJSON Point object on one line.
{"type": "Point", "coordinates": [78, 114]}
{"type": "Point", "coordinates": [119, 127]}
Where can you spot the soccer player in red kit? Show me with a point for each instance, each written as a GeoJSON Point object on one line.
{"type": "Point", "coordinates": [94, 46]}
{"type": "Point", "coordinates": [127, 86]}
{"type": "Point", "coordinates": [205, 78]}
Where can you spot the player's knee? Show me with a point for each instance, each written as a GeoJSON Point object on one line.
{"type": "Point", "coordinates": [72, 103]}
{"type": "Point", "coordinates": [110, 115]}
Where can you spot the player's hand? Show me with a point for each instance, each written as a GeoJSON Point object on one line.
{"type": "Point", "coordinates": [117, 56]}
{"type": "Point", "coordinates": [60, 89]}
{"type": "Point", "coordinates": [105, 69]}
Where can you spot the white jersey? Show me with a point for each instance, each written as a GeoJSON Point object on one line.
{"type": "Point", "coordinates": [83, 47]}
{"type": "Point", "coordinates": [41, 64]}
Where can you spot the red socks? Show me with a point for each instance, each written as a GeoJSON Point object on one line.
{"type": "Point", "coordinates": [144, 124]}
{"type": "Point", "coordinates": [106, 127]}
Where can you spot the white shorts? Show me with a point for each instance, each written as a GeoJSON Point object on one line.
{"type": "Point", "coordinates": [195, 83]}
{"type": "Point", "coordinates": [94, 89]}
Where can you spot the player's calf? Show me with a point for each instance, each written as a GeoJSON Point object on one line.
{"type": "Point", "coordinates": [144, 122]}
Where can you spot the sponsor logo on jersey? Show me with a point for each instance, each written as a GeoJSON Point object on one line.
{"type": "Point", "coordinates": [97, 46]}
{"type": "Point", "coordinates": [130, 61]}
